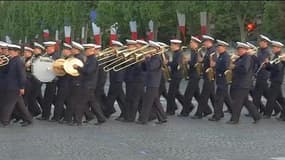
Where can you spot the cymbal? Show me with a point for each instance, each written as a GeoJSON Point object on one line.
{"type": "Point", "coordinates": [57, 67]}
{"type": "Point", "coordinates": [68, 66]}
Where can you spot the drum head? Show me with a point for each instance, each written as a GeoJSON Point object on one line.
{"type": "Point", "coordinates": [68, 66]}
{"type": "Point", "coordinates": [42, 69]}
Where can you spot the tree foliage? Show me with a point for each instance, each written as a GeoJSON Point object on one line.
{"type": "Point", "coordinates": [226, 19]}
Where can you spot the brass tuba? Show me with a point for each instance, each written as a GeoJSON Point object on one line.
{"type": "Point", "coordinates": [229, 73]}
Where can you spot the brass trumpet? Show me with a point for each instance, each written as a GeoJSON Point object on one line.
{"type": "Point", "coordinates": [4, 60]}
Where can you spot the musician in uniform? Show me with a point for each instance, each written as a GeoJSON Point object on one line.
{"type": "Point", "coordinates": [134, 79]}
{"type": "Point", "coordinates": [193, 89]}
{"type": "Point", "coordinates": [115, 92]}
{"type": "Point", "coordinates": [176, 77]}
{"type": "Point", "coordinates": [152, 66]}
{"type": "Point", "coordinates": [87, 92]}
{"type": "Point", "coordinates": [276, 70]}
{"type": "Point", "coordinates": [15, 88]}
{"type": "Point", "coordinates": [208, 90]}
{"type": "Point", "coordinates": [37, 84]}
{"type": "Point", "coordinates": [29, 97]}
{"type": "Point", "coordinates": [262, 75]}
{"type": "Point", "coordinates": [3, 70]}
{"type": "Point", "coordinates": [241, 83]}
{"type": "Point", "coordinates": [63, 88]}
{"type": "Point", "coordinates": [222, 64]}
{"type": "Point", "coordinates": [50, 90]}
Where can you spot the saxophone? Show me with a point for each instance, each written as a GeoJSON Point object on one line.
{"type": "Point", "coordinates": [184, 63]}
{"type": "Point", "coordinates": [199, 65]}
{"type": "Point", "coordinates": [211, 71]}
{"type": "Point", "coordinates": [229, 73]}
{"type": "Point", "coordinates": [165, 69]}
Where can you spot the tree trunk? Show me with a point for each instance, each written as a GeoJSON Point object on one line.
{"type": "Point", "coordinates": [241, 23]}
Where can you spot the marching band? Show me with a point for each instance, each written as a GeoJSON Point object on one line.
{"type": "Point", "coordinates": [74, 81]}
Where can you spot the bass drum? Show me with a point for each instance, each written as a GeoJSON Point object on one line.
{"type": "Point", "coordinates": [42, 69]}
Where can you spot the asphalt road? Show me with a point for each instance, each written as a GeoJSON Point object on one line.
{"type": "Point", "coordinates": [179, 139]}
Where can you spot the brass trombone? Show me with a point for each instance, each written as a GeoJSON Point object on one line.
{"type": "Point", "coordinates": [109, 54]}
{"type": "Point", "coordinates": [121, 57]}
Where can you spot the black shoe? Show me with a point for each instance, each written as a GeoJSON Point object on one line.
{"type": "Point", "coordinates": [232, 122]}
{"type": "Point", "coordinates": [161, 122]}
{"type": "Point", "coordinates": [196, 117]}
{"type": "Point", "coordinates": [26, 123]}
{"type": "Point", "coordinates": [247, 115]}
{"type": "Point", "coordinates": [256, 121]}
{"type": "Point", "coordinates": [183, 115]}
{"type": "Point", "coordinates": [280, 119]}
{"type": "Point", "coordinates": [53, 120]}
{"type": "Point", "coordinates": [120, 119]}
{"type": "Point", "coordinates": [266, 117]}
{"type": "Point", "coordinates": [140, 122]}
{"type": "Point", "coordinates": [42, 118]}
{"type": "Point", "coordinates": [206, 114]}
{"type": "Point", "coordinates": [16, 120]}
{"type": "Point", "coordinates": [99, 123]}
{"type": "Point", "coordinates": [170, 113]}
{"type": "Point", "coordinates": [214, 119]}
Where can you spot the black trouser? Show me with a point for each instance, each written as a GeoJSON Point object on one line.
{"type": "Point", "coordinates": [49, 98]}
{"type": "Point", "coordinates": [31, 94]}
{"type": "Point", "coordinates": [274, 96]}
{"type": "Point", "coordinates": [13, 101]}
{"type": "Point", "coordinates": [162, 88]}
{"type": "Point", "coordinates": [116, 93]}
{"type": "Point", "coordinates": [261, 88]}
{"type": "Point", "coordinates": [134, 96]}
{"type": "Point", "coordinates": [151, 100]}
{"type": "Point", "coordinates": [208, 91]}
{"type": "Point", "coordinates": [100, 89]}
{"type": "Point", "coordinates": [90, 101]}
{"type": "Point", "coordinates": [192, 90]}
{"type": "Point", "coordinates": [240, 97]}
{"type": "Point", "coordinates": [173, 92]}
{"type": "Point", "coordinates": [222, 95]}
{"type": "Point", "coordinates": [61, 99]}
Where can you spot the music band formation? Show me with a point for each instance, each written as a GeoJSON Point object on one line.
{"type": "Point", "coordinates": [138, 71]}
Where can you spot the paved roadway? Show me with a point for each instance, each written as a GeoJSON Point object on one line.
{"type": "Point", "coordinates": [179, 139]}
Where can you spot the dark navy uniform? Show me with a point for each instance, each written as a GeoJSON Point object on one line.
{"type": "Point", "coordinates": [222, 64]}
{"type": "Point", "coordinates": [261, 85]}
{"type": "Point", "coordinates": [193, 88]}
{"type": "Point", "coordinates": [32, 86]}
{"type": "Point", "coordinates": [134, 79]}
{"type": "Point", "coordinates": [100, 89]}
{"type": "Point", "coordinates": [116, 93]}
{"type": "Point", "coordinates": [15, 80]}
{"type": "Point", "coordinates": [152, 66]}
{"type": "Point", "coordinates": [89, 81]}
{"type": "Point", "coordinates": [276, 78]}
{"type": "Point", "coordinates": [176, 77]}
{"type": "Point", "coordinates": [208, 90]}
{"type": "Point", "coordinates": [241, 84]}
{"type": "Point", "coordinates": [49, 94]}
{"type": "Point", "coordinates": [3, 72]}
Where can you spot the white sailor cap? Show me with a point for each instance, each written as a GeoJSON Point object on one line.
{"type": "Point", "coordinates": [162, 44]}
{"type": "Point", "coordinates": [67, 46]}
{"type": "Point", "coordinates": [175, 41]}
{"type": "Point", "coordinates": [3, 44]}
{"type": "Point", "coordinates": [39, 45]}
{"type": "Point", "coordinates": [28, 49]}
{"type": "Point", "coordinates": [117, 43]}
{"type": "Point", "coordinates": [153, 44]}
{"type": "Point", "coordinates": [142, 42]}
{"type": "Point", "coordinates": [251, 45]}
{"type": "Point", "coordinates": [277, 44]}
{"type": "Point", "coordinates": [196, 39]}
{"type": "Point", "coordinates": [263, 37]}
{"type": "Point", "coordinates": [222, 43]}
{"type": "Point", "coordinates": [14, 46]}
{"type": "Point", "coordinates": [207, 37]}
{"type": "Point", "coordinates": [97, 46]}
{"type": "Point", "coordinates": [88, 45]}
{"type": "Point", "coordinates": [49, 43]}
{"type": "Point", "coordinates": [129, 41]}
{"type": "Point", "coordinates": [242, 45]}
{"type": "Point", "coordinates": [77, 45]}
